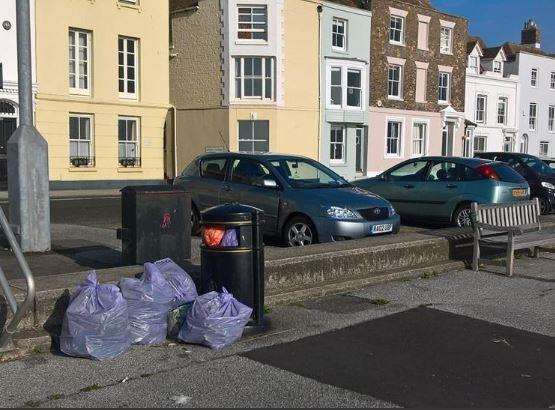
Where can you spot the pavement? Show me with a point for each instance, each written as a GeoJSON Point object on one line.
{"type": "Point", "coordinates": [462, 339]}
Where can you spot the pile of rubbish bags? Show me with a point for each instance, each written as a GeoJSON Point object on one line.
{"type": "Point", "coordinates": [102, 321]}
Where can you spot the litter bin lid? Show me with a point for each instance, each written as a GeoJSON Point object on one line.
{"type": "Point", "coordinates": [229, 214]}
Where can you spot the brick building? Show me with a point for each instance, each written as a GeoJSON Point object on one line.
{"type": "Point", "coordinates": [417, 82]}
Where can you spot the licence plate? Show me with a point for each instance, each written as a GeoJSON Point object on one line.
{"type": "Point", "coordinates": [382, 228]}
{"type": "Point", "coordinates": [520, 193]}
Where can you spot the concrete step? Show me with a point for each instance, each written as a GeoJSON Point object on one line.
{"type": "Point", "coordinates": [286, 270]}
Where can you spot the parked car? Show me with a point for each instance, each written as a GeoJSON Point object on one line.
{"type": "Point", "coordinates": [441, 189]}
{"type": "Point", "coordinates": [304, 202]}
{"type": "Point", "coordinates": [537, 173]}
{"type": "Point", "coordinates": [550, 162]}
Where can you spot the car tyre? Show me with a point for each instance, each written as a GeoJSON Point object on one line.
{"type": "Point", "coordinates": [545, 206]}
{"type": "Point", "coordinates": [299, 231]}
{"type": "Point", "coordinates": [463, 216]}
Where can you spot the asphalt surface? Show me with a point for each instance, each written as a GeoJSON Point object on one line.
{"type": "Point", "coordinates": [97, 212]}
{"type": "Point", "coordinates": [463, 338]}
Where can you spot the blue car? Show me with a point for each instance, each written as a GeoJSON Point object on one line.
{"type": "Point", "coordinates": [304, 202]}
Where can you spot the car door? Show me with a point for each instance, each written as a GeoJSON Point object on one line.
{"type": "Point", "coordinates": [403, 185]}
{"type": "Point", "coordinates": [208, 187]}
{"type": "Point", "coordinates": [443, 185]}
{"type": "Point", "coordinates": [246, 185]}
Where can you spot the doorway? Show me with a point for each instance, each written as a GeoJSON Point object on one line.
{"type": "Point", "coordinates": [360, 166]}
{"type": "Point", "coordinates": [447, 139]}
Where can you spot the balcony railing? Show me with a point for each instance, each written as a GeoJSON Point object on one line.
{"type": "Point", "coordinates": [79, 162]}
{"type": "Point", "coordinates": [130, 162]}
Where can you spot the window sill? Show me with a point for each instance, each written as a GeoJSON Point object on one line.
{"type": "Point", "coordinates": [130, 170]}
{"type": "Point", "coordinates": [252, 42]}
{"type": "Point", "coordinates": [392, 156]}
{"type": "Point", "coordinates": [443, 102]}
{"type": "Point", "coordinates": [392, 98]}
{"type": "Point", "coordinates": [339, 50]}
{"type": "Point", "coordinates": [79, 93]}
{"type": "Point", "coordinates": [395, 43]}
{"type": "Point", "coordinates": [338, 164]}
{"type": "Point", "coordinates": [254, 101]}
{"type": "Point", "coordinates": [443, 53]}
{"type": "Point", "coordinates": [129, 97]}
{"type": "Point", "coordinates": [82, 169]}
{"type": "Point", "coordinates": [127, 5]}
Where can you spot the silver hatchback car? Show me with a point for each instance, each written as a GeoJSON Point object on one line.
{"type": "Point", "coordinates": [304, 202]}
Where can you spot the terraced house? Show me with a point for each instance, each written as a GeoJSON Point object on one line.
{"type": "Point", "coordinates": [103, 93]}
{"type": "Point", "coordinates": [417, 82]}
{"type": "Point", "coordinates": [244, 76]}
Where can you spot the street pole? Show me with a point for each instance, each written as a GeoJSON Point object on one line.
{"type": "Point", "coordinates": [28, 182]}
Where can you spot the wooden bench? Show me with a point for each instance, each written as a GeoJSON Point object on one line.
{"type": "Point", "coordinates": [508, 226]}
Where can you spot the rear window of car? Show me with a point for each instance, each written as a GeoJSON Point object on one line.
{"type": "Point", "coordinates": [507, 174]}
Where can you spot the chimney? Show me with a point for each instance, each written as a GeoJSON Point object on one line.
{"type": "Point", "coordinates": [531, 35]}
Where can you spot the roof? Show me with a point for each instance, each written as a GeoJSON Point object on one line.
{"type": "Point", "coordinates": [259, 155]}
{"type": "Point", "coordinates": [491, 52]}
{"type": "Point", "coordinates": [512, 49]}
{"type": "Point", "coordinates": [182, 4]}
{"type": "Point", "coordinates": [471, 43]}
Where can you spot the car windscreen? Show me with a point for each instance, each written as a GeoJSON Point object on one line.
{"type": "Point", "coordinates": [304, 173]}
{"type": "Point", "coordinates": [507, 174]}
{"type": "Point", "coordinates": [538, 166]}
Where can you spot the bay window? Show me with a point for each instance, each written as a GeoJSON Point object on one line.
{"type": "Point", "coordinates": [345, 85]}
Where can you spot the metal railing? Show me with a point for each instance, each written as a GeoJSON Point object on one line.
{"type": "Point", "coordinates": [18, 311]}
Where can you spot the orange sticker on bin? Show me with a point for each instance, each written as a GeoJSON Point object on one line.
{"type": "Point", "coordinates": [212, 236]}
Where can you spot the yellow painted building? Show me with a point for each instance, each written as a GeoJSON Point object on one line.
{"type": "Point", "coordinates": [245, 76]}
{"type": "Point", "coordinates": [103, 90]}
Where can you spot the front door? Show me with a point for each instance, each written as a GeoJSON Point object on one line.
{"type": "Point", "coordinates": [360, 151]}
{"type": "Point", "coordinates": [7, 128]}
{"type": "Point", "coordinates": [447, 140]}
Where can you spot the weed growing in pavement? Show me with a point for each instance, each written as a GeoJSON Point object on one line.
{"type": "Point", "coordinates": [91, 388]}
{"type": "Point", "coordinates": [32, 403]}
{"type": "Point", "coordinates": [267, 310]}
{"type": "Point", "coordinates": [380, 302]}
{"type": "Point", "coordinates": [55, 397]}
{"type": "Point", "coordinates": [37, 350]}
{"type": "Point", "coordinates": [407, 279]}
{"type": "Point", "coordinates": [428, 275]}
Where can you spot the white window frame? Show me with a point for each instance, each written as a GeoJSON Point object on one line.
{"type": "Point", "coordinates": [448, 87]}
{"type": "Point", "coordinates": [400, 143]}
{"type": "Point", "coordinates": [505, 101]}
{"type": "Point", "coordinates": [424, 142]}
{"type": "Point", "coordinates": [252, 140]}
{"type": "Point", "coordinates": [252, 23]}
{"type": "Point", "coordinates": [125, 93]}
{"type": "Point", "coordinates": [474, 68]}
{"type": "Point", "coordinates": [546, 152]}
{"type": "Point", "coordinates": [446, 48]}
{"type": "Point", "coordinates": [335, 23]}
{"type": "Point", "coordinates": [552, 81]}
{"type": "Point", "coordinates": [474, 145]}
{"type": "Point", "coordinates": [263, 77]}
{"type": "Point", "coordinates": [75, 34]}
{"type": "Point", "coordinates": [345, 67]}
{"type": "Point", "coordinates": [401, 41]}
{"type": "Point", "coordinates": [497, 66]}
{"type": "Point", "coordinates": [343, 130]}
{"type": "Point", "coordinates": [390, 67]}
{"type": "Point", "coordinates": [137, 141]}
{"type": "Point", "coordinates": [534, 75]}
{"type": "Point", "coordinates": [484, 111]}
{"type": "Point", "coordinates": [79, 141]}
{"type": "Point", "coordinates": [524, 140]}
{"type": "Point", "coordinates": [533, 119]}
{"type": "Point", "coordinates": [551, 119]}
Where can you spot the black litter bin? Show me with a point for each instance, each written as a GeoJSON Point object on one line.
{"type": "Point", "coordinates": [156, 224]}
{"type": "Point", "coordinates": [232, 255]}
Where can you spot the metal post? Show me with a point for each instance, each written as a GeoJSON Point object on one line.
{"type": "Point", "coordinates": [28, 182]}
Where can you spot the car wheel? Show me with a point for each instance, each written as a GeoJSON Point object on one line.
{"type": "Point", "coordinates": [545, 206]}
{"type": "Point", "coordinates": [299, 231]}
{"type": "Point", "coordinates": [463, 216]}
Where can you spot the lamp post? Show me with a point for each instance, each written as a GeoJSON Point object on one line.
{"type": "Point", "coordinates": [28, 182]}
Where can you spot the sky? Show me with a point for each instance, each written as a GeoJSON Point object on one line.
{"type": "Point", "coordinates": [498, 21]}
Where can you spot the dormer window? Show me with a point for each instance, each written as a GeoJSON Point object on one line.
{"type": "Point", "coordinates": [473, 64]}
{"type": "Point", "coordinates": [497, 66]}
{"type": "Point", "coordinates": [252, 23]}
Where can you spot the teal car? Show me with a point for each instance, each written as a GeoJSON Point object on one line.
{"type": "Point", "coordinates": [441, 189]}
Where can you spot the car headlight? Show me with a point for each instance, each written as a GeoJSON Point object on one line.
{"type": "Point", "coordinates": [337, 212]}
{"type": "Point", "coordinates": [392, 211]}
{"type": "Point", "coordinates": [548, 185]}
